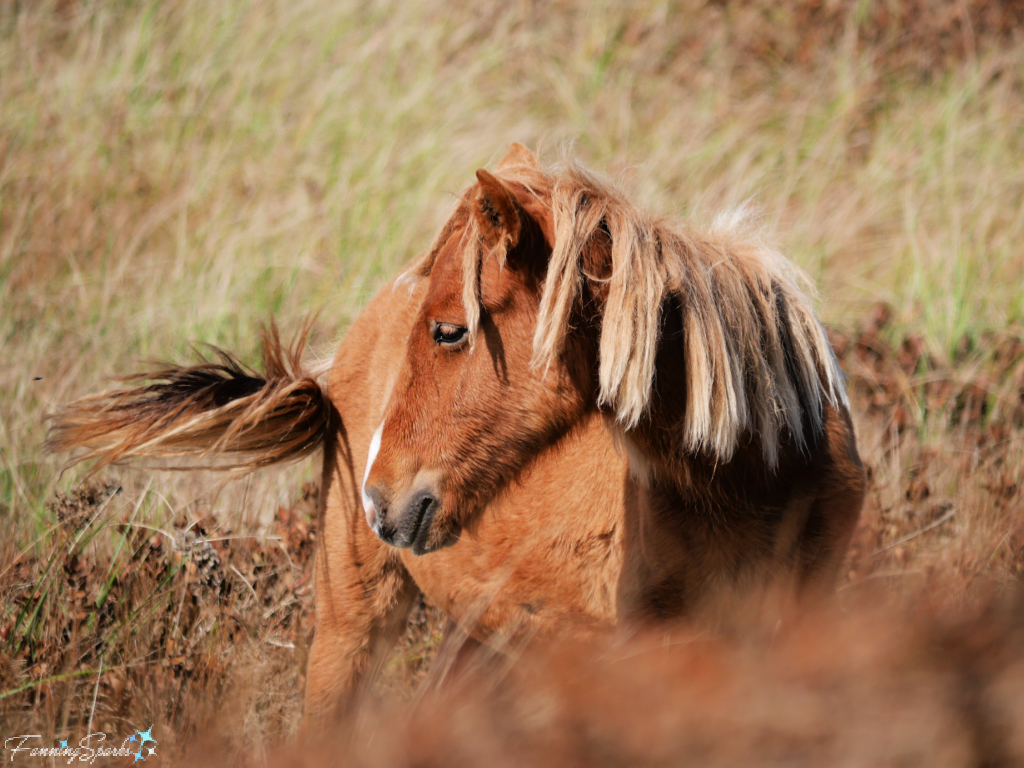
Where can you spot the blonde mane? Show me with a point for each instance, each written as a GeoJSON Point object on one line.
{"type": "Point", "coordinates": [757, 359]}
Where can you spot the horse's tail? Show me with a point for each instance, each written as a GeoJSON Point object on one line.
{"type": "Point", "coordinates": [218, 408]}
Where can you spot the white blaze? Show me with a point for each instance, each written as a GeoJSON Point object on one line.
{"type": "Point", "coordinates": [374, 448]}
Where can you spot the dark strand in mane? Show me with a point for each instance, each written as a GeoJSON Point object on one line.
{"type": "Point", "coordinates": [217, 406]}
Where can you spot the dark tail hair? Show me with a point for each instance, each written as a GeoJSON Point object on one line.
{"type": "Point", "coordinates": [219, 406]}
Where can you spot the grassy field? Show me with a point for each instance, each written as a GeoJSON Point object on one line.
{"type": "Point", "coordinates": [173, 173]}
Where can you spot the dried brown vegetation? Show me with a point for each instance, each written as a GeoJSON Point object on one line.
{"type": "Point", "coordinates": [150, 633]}
{"type": "Point", "coordinates": [944, 447]}
{"type": "Point", "coordinates": [833, 689]}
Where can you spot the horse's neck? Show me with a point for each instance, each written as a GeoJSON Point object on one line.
{"type": "Point", "coordinates": [674, 476]}
{"type": "Point", "coordinates": [697, 526]}
{"type": "Point", "coordinates": [678, 479]}
{"type": "Point", "coordinates": [659, 447]}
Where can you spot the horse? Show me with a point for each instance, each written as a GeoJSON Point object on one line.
{"type": "Point", "coordinates": [552, 299]}
{"type": "Point", "coordinates": [542, 559]}
{"type": "Point", "coordinates": [515, 496]}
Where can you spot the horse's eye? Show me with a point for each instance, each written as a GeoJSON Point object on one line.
{"type": "Point", "coordinates": [449, 335]}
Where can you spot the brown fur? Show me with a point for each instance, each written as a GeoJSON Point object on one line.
{"type": "Point", "coordinates": [524, 568]}
{"type": "Point", "coordinates": [544, 556]}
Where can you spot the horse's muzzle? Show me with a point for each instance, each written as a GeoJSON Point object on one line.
{"type": "Point", "coordinates": [407, 524]}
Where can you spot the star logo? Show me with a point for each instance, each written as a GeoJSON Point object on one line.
{"type": "Point", "coordinates": [144, 736]}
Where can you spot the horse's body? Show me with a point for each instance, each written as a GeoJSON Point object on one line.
{"type": "Point", "coordinates": [544, 557]}
{"type": "Point", "coordinates": [497, 480]}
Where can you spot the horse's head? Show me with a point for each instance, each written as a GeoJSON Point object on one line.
{"type": "Point", "coordinates": [548, 296]}
{"type": "Point", "coordinates": [470, 406]}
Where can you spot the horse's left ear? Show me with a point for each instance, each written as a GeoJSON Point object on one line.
{"type": "Point", "coordinates": [496, 211]}
{"type": "Point", "coordinates": [519, 155]}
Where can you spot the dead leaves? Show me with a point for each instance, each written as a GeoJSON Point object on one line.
{"type": "Point", "coordinates": [979, 390]}
{"type": "Point", "coordinates": [150, 618]}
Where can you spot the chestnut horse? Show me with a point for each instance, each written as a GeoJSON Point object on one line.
{"type": "Point", "coordinates": [550, 300]}
{"type": "Point", "coordinates": [471, 413]}
{"type": "Point", "coordinates": [544, 557]}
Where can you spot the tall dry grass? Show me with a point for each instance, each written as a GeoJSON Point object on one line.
{"type": "Point", "coordinates": [174, 173]}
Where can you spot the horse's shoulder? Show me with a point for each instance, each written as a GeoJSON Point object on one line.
{"type": "Point", "coordinates": [371, 352]}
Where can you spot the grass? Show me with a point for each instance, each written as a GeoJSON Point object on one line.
{"type": "Point", "coordinates": [173, 173]}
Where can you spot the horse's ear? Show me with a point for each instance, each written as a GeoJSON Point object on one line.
{"type": "Point", "coordinates": [519, 155]}
{"type": "Point", "coordinates": [496, 211]}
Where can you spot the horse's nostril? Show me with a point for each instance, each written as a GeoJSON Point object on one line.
{"type": "Point", "coordinates": [422, 514]}
{"type": "Point", "coordinates": [403, 522]}
{"type": "Point", "coordinates": [425, 503]}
